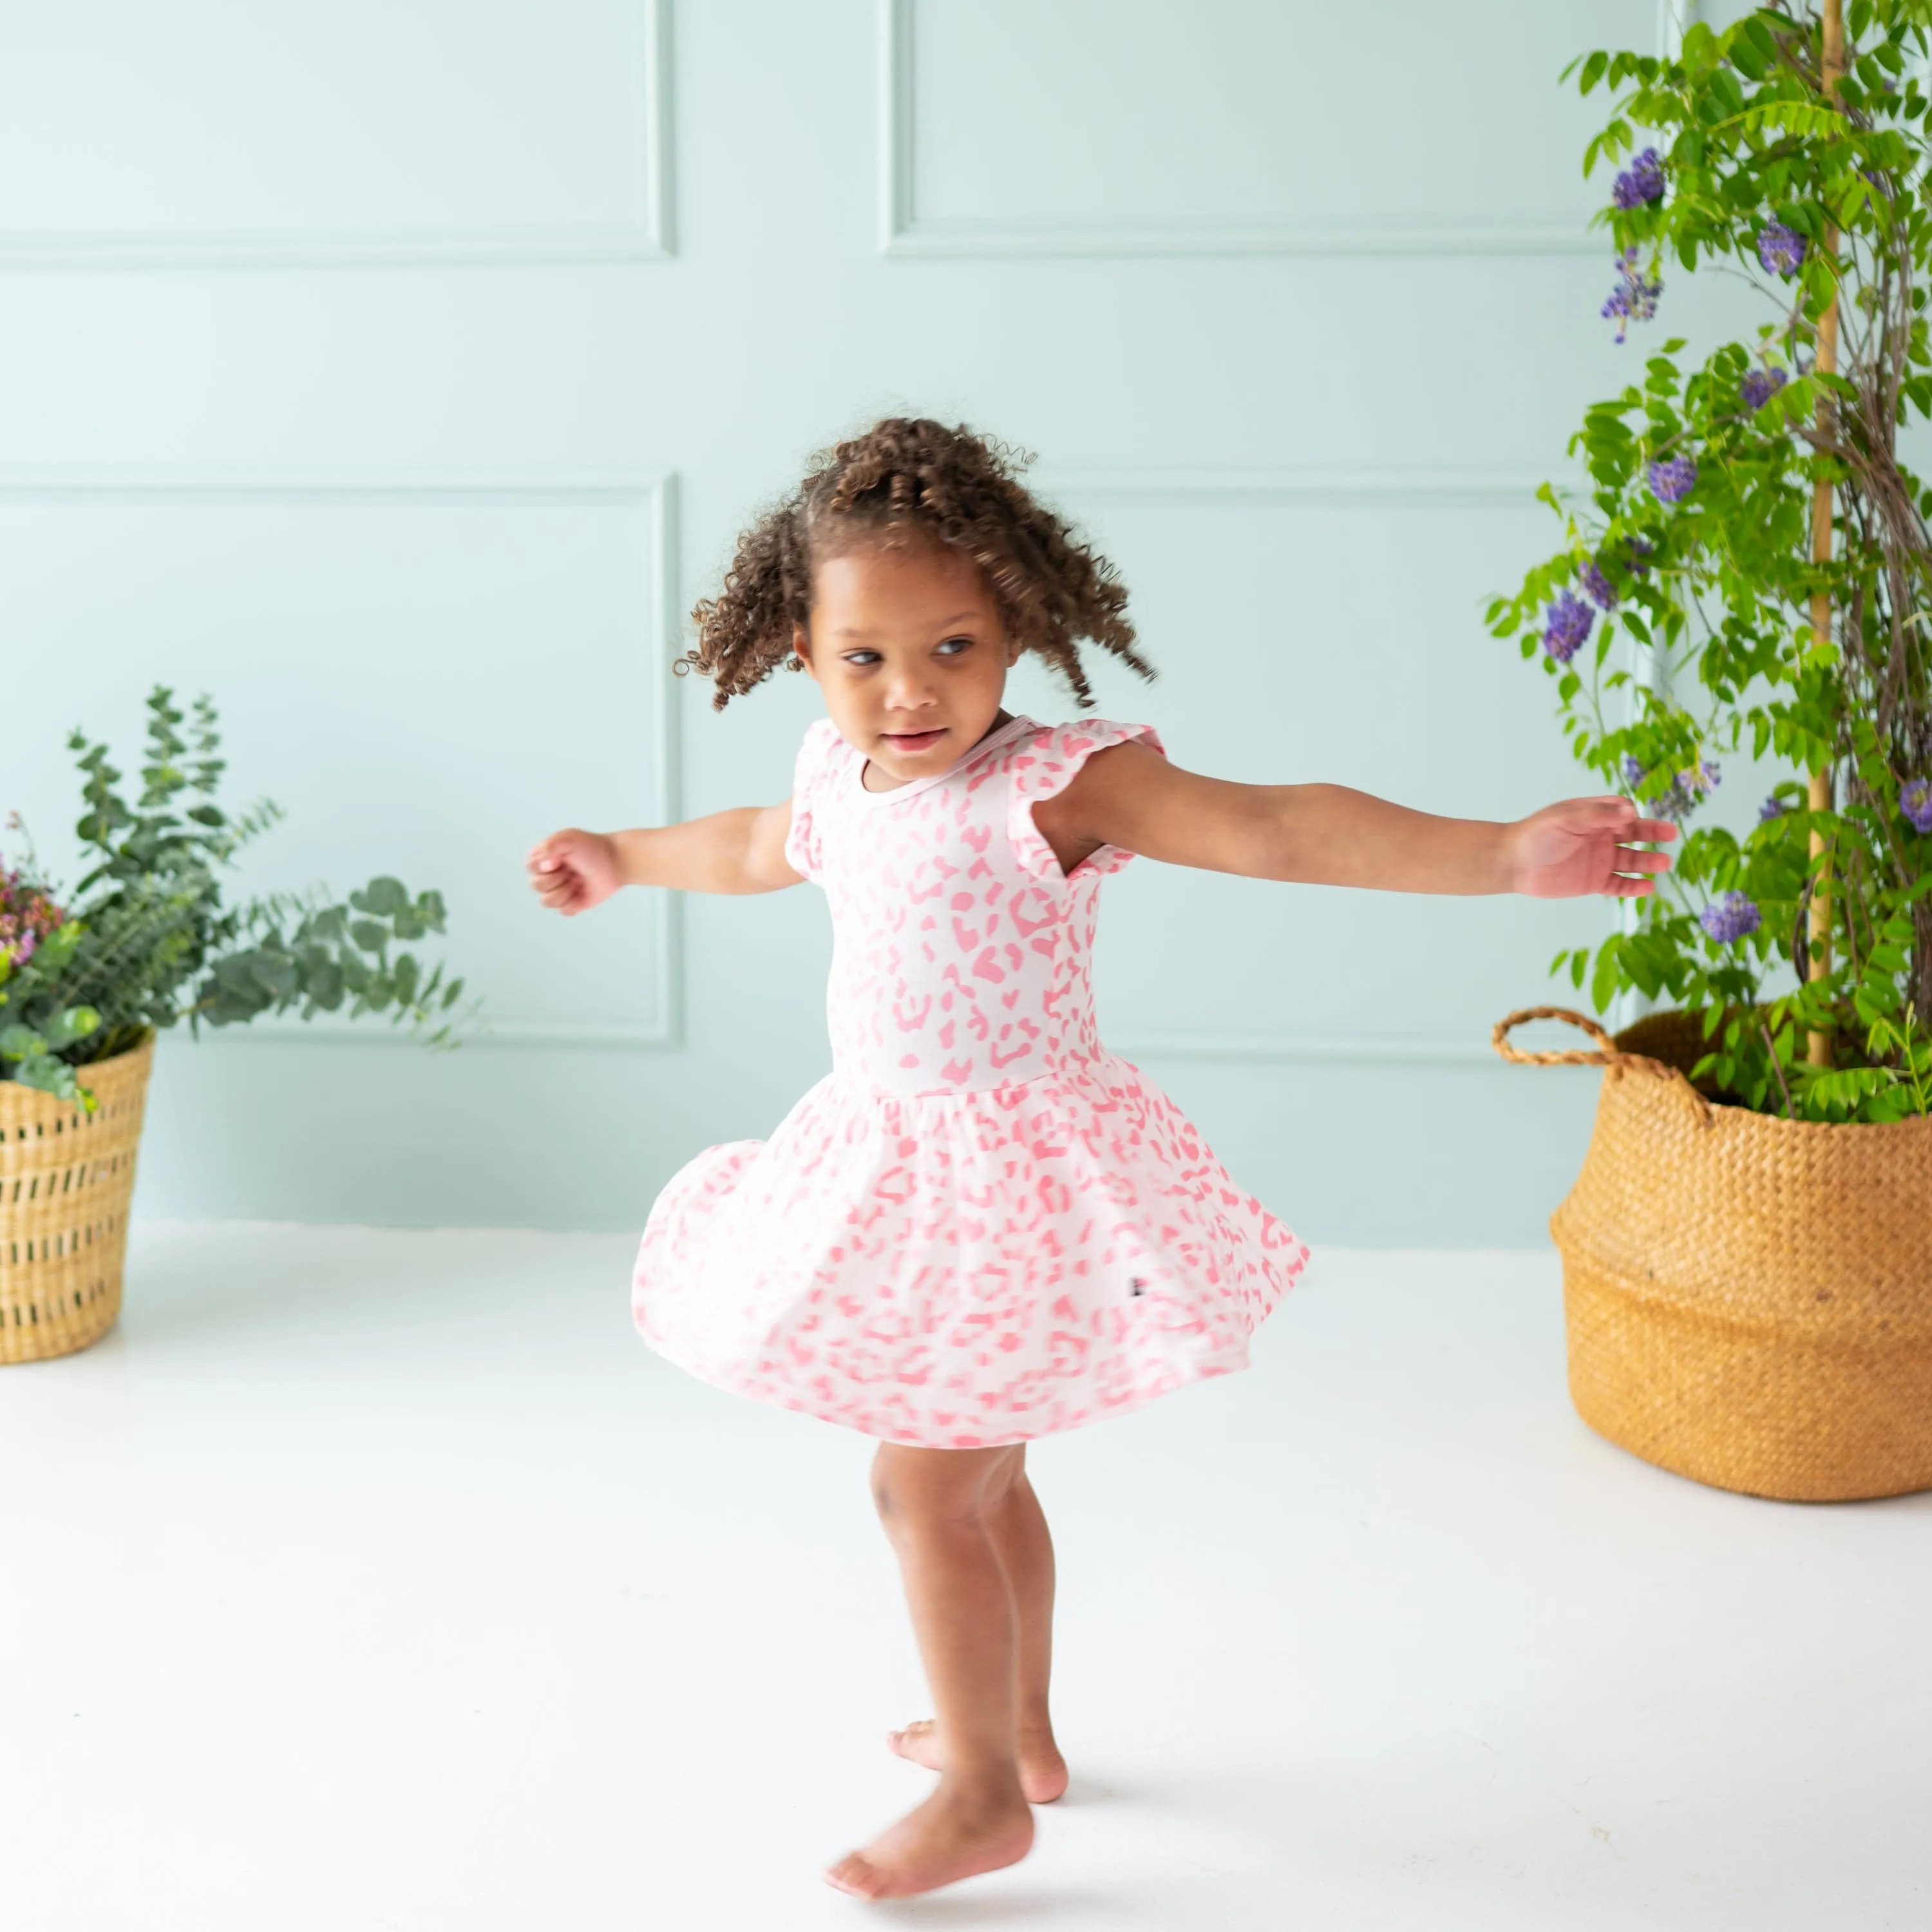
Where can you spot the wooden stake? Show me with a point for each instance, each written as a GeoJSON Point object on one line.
{"type": "Point", "coordinates": [1818, 1045]}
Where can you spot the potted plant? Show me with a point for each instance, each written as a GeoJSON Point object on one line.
{"type": "Point", "coordinates": [1748, 577]}
{"type": "Point", "coordinates": [144, 940]}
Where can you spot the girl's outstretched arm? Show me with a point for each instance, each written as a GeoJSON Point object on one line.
{"type": "Point", "coordinates": [1129, 795]}
{"type": "Point", "coordinates": [740, 851]}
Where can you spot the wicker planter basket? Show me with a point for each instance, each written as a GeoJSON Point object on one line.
{"type": "Point", "coordinates": [1748, 1299]}
{"type": "Point", "coordinates": [66, 1178]}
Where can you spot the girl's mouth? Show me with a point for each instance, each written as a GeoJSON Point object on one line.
{"type": "Point", "coordinates": [914, 741]}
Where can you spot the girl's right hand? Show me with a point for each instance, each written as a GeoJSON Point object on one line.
{"type": "Point", "coordinates": [571, 872]}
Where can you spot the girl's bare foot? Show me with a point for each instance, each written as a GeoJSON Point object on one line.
{"type": "Point", "coordinates": [1043, 1769]}
{"type": "Point", "coordinates": [940, 1842]}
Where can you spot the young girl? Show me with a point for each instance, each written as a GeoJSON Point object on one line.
{"type": "Point", "coordinates": [981, 1227]}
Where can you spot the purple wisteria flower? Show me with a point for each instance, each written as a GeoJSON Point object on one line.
{"type": "Point", "coordinates": [1773, 807]}
{"type": "Point", "coordinates": [1914, 800]}
{"type": "Point", "coordinates": [1567, 623]}
{"type": "Point", "coordinates": [1780, 249]}
{"type": "Point", "coordinates": [1596, 586]}
{"type": "Point", "coordinates": [1759, 386]}
{"type": "Point", "coordinates": [1671, 477]}
{"type": "Point", "coordinates": [1730, 916]}
{"type": "Point", "coordinates": [1642, 181]}
{"type": "Point", "coordinates": [1686, 791]}
{"type": "Point", "coordinates": [1633, 299]}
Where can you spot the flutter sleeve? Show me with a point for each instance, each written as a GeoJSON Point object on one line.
{"type": "Point", "coordinates": [1044, 767]}
{"type": "Point", "coordinates": [816, 758]}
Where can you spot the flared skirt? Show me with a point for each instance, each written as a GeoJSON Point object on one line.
{"type": "Point", "coordinates": [963, 1270]}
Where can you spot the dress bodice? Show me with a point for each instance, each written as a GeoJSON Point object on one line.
{"type": "Point", "coordinates": [961, 952]}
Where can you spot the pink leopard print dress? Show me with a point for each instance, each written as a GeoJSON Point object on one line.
{"type": "Point", "coordinates": [981, 1227]}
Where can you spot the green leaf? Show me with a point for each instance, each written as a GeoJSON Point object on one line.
{"type": "Point", "coordinates": [1748, 57]}
{"type": "Point", "coordinates": [1603, 981]}
{"type": "Point", "coordinates": [52, 1076]}
{"type": "Point", "coordinates": [21, 1042]}
{"type": "Point", "coordinates": [369, 935]}
{"type": "Point", "coordinates": [323, 984]}
{"type": "Point", "coordinates": [71, 1023]}
{"type": "Point", "coordinates": [1725, 92]}
{"type": "Point", "coordinates": [274, 973]}
{"type": "Point", "coordinates": [384, 897]}
{"type": "Point", "coordinates": [235, 975]}
{"type": "Point", "coordinates": [60, 946]}
{"type": "Point", "coordinates": [1793, 117]}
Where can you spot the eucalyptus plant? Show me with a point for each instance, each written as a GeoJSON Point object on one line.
{"type": "Point", "coordinates": [147, 940]}
{"type": "Point", "coordinates": [1750, 569]}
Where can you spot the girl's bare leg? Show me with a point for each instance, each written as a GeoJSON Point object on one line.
{"type": "Point", "coordinates": [1020, 1539]}
{"type": "Point", "coordinates": [935, 1503]}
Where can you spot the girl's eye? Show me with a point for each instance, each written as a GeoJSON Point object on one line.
{"type": "Point", "coordinates": [861, 658]}
{"type": "Point", "coordinates": [956, 645]}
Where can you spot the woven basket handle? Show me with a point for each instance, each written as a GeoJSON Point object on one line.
{"type": "Point", "coordinates": [1606, 1054]}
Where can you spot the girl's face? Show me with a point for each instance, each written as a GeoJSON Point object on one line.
{"type": "Point", "coordinates": [907, 646]}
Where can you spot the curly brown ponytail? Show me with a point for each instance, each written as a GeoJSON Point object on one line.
{"type": "Point", "coordinates": [913, 478]}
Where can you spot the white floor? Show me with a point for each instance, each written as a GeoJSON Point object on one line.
{"type": "Point", "coordinates": [384, 1580]}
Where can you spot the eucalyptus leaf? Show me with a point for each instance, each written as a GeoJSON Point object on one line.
{"type": "Point", "coordinates": [71, 1023]}
{"type": "Point", "coordinates": [323, 984]}
{"type": "Point", "coordinates": [384, 897]}
{"type": "Point", "coordinates": [49, 1075]}
{"type": "Point", "coordinates": [21, 1042]}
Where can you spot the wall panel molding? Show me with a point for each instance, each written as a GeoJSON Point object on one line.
{"type": "Point", "coordinates": [1310, 486]}
{"type": "Point", "coordinates": [1308, 1049]}
{"type": "Point", "coordinates": [652, 493]}
{"type": "Point", "coordinates": [653, 239]}
{"type": "Point", "coordinates": [903, 231]}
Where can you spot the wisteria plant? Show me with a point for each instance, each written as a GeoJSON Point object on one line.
{"type": "Point", "coordinates": [1749, 572]}
{"type": "Point", "coordinates": [144, 940]}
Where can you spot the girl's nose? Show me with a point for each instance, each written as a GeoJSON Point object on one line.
{"type": "Point", "coordinates": [907, 690]}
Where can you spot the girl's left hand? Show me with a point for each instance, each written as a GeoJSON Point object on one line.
{"type": "Point", "coordinates": [1584, 845]}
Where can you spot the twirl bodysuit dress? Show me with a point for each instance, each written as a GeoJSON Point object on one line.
{"type": "Point", "coordinates": [981, 1226]}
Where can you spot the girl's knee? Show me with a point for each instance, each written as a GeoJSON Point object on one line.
{"type": "Point", "coordinates": [936, 1485]}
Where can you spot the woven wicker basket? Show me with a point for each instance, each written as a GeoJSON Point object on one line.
{"type": "Point", "coordinates": [1748, 1299]}
{"type": "Point", "coordinates": [67, 1177]}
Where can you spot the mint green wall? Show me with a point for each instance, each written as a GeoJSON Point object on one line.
{"type": "Point", "coordinates": [400, 374]}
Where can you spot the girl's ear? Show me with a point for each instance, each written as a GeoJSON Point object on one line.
{"type": "Point", "coordinates": [801, 646]}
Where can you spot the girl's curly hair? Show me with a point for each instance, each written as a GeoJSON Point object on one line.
{"type": "Point", "coordinates": [909, 479]}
